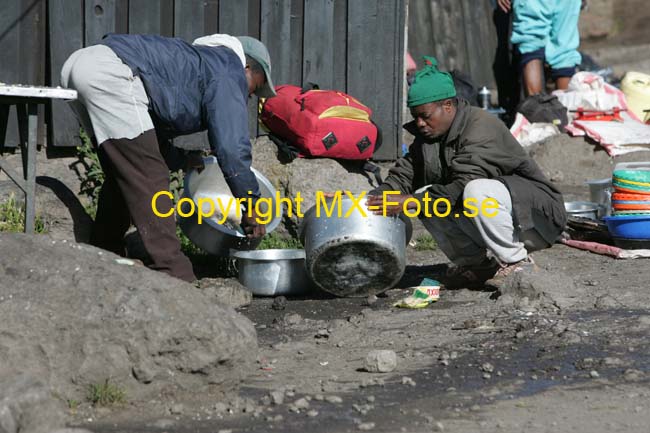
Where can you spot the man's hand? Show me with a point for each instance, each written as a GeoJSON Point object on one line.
{"type": "Point", "coordinates": [194, 161]}
{"type": "Point", "coordinates": [251, 227]}
{"type": "Point", "coordinates": [505, 5]}
{"type": "Point", "coordinates": [393, 209]}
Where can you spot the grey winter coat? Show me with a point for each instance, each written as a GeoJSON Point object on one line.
{"type": "Point", "coordinates": [479, 146]}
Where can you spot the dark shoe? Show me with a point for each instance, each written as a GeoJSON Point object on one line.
{"type": "Point", "coordinates": [509, 269]}
{"type": "Point", "coordinates": [469, 277]}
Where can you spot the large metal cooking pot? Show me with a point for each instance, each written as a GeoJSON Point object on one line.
{"type": "Point", "coordinates": [356, 256]}
{"type": "Point", "coordinates": [214, 238]}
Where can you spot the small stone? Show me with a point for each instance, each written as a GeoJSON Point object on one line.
{"type": "Point", "coordinates": [277, 397]}
{"type": "Point", "coordinates": [408, 381]}
{"type": "Point", "coordinates": [487, 367]}
{"type": "Point", "coordinates": [322, 333]}
{"type": "Point", "coordinates": [366, 426]}
{"type": "Point", "coordinates": [319, 397]}
{"type": "Point", "coordinates": [312, 413]}
{"type": "Point", "coordinates": [632, 374]}
{"type": "Point", "coordinates": [487, 376]}
{"type": "Point", "coordinates": [279, 303]}
{"type": "Point", "coordinates": [370, 399]}
{"type": "Point", "coordinates": [220, 407]}
{"type": "Point", "coordinates": [301, 403]}
{"type": "Point", "coordinates": [381, 361]}
{"type": "Point", "coordinates": [225, 431]}
{"type": "Point", "coordinates": [371, 300]}
{"type": "Point", "coordinates": [438, 427]}
{"type": "Point", "coordinates": [334, 399]}
{"type": "Point", "coordinates": [444, 362]}
{"type": "Point", "coordinates": [176, 409]}
{"type": "Point", "coordinates": [594, 374]}
{"type": "Point", "coordinates": [292, 319]}
{"type": "Point", "coordinates": [533, 377]}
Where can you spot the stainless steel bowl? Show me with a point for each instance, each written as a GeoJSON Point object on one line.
{"type": "Point", "coordinates": [356, 256]}
{"type": "Point", "coordinates": [212, 237]}
{"type": "Point", "coordinates": [584, 209]}
{"type": "Point", "coordinates": [273, 272]}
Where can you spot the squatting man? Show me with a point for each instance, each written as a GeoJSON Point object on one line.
{"type": "Point", "coordinates": [462, 152]}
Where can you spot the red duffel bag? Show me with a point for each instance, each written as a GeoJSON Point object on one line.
{"type": "Point", "coordinates": [321, 123]}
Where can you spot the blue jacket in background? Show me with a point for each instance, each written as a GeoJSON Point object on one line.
{"type": "Point", "coordinates": [194, 88]}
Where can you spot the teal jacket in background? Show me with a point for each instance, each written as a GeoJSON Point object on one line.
{"type": "Point", "coordinates": [551, 25]}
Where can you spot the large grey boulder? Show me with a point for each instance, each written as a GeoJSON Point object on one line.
{"type": "Point", "coordinates": [76, 315]}
{"type": "Point", "coordinates": [27, 405]}
{"type": "Point", "coordinates": [308, 176]}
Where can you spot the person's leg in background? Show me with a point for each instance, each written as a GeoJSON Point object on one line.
{"type": "Point", "coordinates": [505, 66]}
{"type": "Point", "coordinates": [562, 49]}
{"type": "Point", "coordinates": [531, 28]}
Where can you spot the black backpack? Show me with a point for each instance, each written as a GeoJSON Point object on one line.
{"type": "Point", "coordinates": [544, 108]}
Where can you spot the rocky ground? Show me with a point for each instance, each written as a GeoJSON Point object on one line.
{"type": "Point", "coordinates": [562, 349]}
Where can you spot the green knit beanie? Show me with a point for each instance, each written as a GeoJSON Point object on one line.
{"type": "Point", "coordinates": [430, 85]}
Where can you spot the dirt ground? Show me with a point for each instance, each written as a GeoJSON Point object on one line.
{"type": "Point", "coordinates": [573, 359]}
{"type": "Point", "coordinates": [467, 363]}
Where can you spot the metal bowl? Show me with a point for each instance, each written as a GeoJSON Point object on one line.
{"type": "Point", "coordinates": [584, 209]}
{"type": "Point", "coordinates": [273, 272]}
{"type": "Point", "coordinates": [214, 238]}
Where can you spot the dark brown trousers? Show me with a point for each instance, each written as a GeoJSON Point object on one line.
{"type": "Point", "coordinates": [134, 171]}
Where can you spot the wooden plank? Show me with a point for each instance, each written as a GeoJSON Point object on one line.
{"type": "Point", "coordinates": [188, 19]}
{"type": "Point", "coordinates": [281, 32]}
{"type": "Point", "coordinates": [66, 35]}
{"type": "Point", "coordinates": [254, 18]}
{"type": "Point", "coordinates": [481, 41]}
{"type": "Point", "coordinates": [9, 41]}
{"type": "Point", "coordinates": [340, 44]}
{"type": "Point", "coordinates": [420, 31]}
{"type": "Point", "coordinates": [449, 35]}
{"type": "Point", "coordinates": [233, 17]}
{"type": "Point", "coordinates": [100, 19]}
{"type": "Point", "coordinates": [22, 44]}
{"type": "Point", "coordinates": [211, 17]}
{"type": "Point", "coordinates": [325, 43]}
{"type": "Point", "coordinates": [318, 48]}
{"type": "Point", "coordinates": [375, 64]}
{"type": "Point", "coordinates": [152, 18]}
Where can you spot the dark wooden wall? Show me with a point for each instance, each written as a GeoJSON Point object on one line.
{"type": "Point", "coordinates": [459, 33]}
{"type": "Point", "coordinates": [351, 45]}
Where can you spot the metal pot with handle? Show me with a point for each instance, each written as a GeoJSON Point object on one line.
{"type": "Point", "coordinates": [358, 255]}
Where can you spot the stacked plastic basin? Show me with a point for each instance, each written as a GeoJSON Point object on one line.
{"type": "Point", "coordinates": [630, 220]}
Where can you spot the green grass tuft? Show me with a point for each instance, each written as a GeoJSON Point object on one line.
{"type": "Point", "coordinates": [425, 243]}
{"type": "Point", "coordinates": [274, 241]}
{"type": "Point", "coordinates": [12, 217]}
{"type": "Point", "coordinates": [106, 394]}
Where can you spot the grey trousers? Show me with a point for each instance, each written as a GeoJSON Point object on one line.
{"type": "Point", "coordinates": [468, 241]}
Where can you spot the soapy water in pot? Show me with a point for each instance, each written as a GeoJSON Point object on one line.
{"type": "Point", "coordinates": [355, 268]}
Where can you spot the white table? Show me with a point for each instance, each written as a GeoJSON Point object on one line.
{"type": "Point", "coordinates": [26, 99]}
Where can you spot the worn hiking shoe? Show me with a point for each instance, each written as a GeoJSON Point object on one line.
{"type": "Point", "coordinates": [469, 277]}
{"type": "Point", "coordinates": [504, 271]}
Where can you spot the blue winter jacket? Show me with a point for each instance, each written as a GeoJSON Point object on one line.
{"type": "Point", "coordinates": [194, 88]}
